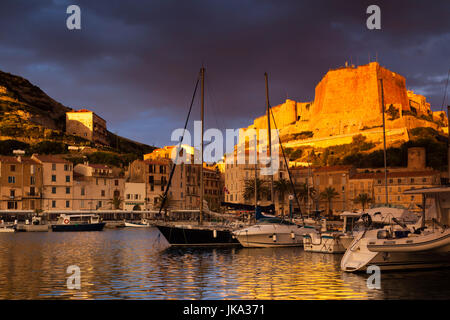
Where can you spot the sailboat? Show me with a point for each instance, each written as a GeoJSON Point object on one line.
{"type": "Point", "coordinates": [272, 231]}
{"type": "Point", "coordinates": [196, 234]}
{"type": "Point", "coordinates": [402, 246]}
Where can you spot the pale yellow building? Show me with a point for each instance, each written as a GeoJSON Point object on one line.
{"type": "Point", "coordinates": [98, 187]}
{"type": "Point", "coordinates": [88, 125]}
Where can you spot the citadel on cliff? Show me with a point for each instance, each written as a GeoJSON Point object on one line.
{"type": "Point", "coordinates": [348, 101]}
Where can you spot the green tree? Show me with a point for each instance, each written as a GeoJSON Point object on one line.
{"type": "Point", "coordinates": [281, 187]}
{"type": "Point", "coordinates": [116, 202]}
{"type": "Point", "coordinates": [329, 194]}
{"type": "Point", "coordinates": [249, 189]}
{"type": "Point", "coordinates": [302, 192]}
{"type": "Point", "coordinates": [363, 199]}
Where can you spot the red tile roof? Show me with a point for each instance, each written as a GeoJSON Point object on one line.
{"type": "Point", "coordinates": [399, 174]}
{"type": "Point", "coordinates": [333, 168]}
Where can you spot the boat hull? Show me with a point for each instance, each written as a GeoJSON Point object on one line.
{"type": "Point", "coordinates": [7, 230]}
{"type": "Point", "coordinates": [189, 236]}
{"type": "Point", "coordinates": [272, 235]}
{"type": "Point", "coordinates": [137, 225]}
{"type": "Point", "coordinates": [359, 257]}
{"type": "Point", "coordinates": [78, 227]}
{"type": "Point", "coordinates": [266, 240]}
{"type": "Point", "coordinates": [323, 244]}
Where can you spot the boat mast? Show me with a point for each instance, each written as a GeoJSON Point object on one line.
{"type": "Point", "coordinates": [384, 143]}
{"type": "Point", "coordinates": [269, 137]}
{"type": "Point", "coordinates": [202, 74]}
{"type": "Point", "coordinates": [256, 173]}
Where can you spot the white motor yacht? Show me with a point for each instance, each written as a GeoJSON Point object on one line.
{"type": "Point", "coordinates": [399, 245]}
{"type": "Point", "coordinates": [332, 242]}
{"type": "Point", "coordinates": [272, 232]}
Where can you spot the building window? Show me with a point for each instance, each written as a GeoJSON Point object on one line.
{"type": "Point", "coordinates": [53, 189]}
{"type": "Point", "coordinates": [67, 204]}
{"type": "Point", "coordinates": [83, 191]}
{"type": "Point", "coordinates": [103, 193]}
{"type": "Point", "coordinates": [12, 205]}
{"type": "Point", "coordinates": [32, 206]}
{"type": "Point", "coordinates": [99, 204]}
{"type": "Point", "coordinates": [82, 203]}
{"type": "Point", "coordinates": [53, 178]}
{"type": "Point", "coordinates": [53, 166]}
{"type": "Point", "coordinates": [32, 180]}
{"type": "Point", "coordinates": [53, 204]}
{"type": "Point", "coordinates": [32, 191]}
{"type": "Point", "coordinates": [67, 190]}
{"type": "Point", "coordinates": [11, 179]}
{"type": "Point", "coordinates": [12, 193]}
{"type": "Point", "coordinates": [13, 168]}
{"type": "Point", "coordinates": [67, 178]}
{"type": "Point", "coordinates": [116, 182]}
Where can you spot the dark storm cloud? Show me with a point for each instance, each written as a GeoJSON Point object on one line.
{"type": "Point", "coordinates": [135, 62]}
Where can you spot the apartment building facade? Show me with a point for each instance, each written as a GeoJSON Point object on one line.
{"type": "Point", "coordinates": [20, 183]}
{"type": "Point", "coordinates": [57, 182]}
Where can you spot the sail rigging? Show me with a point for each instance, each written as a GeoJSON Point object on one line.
{"type": "Point", "coordinates": [178, 147]}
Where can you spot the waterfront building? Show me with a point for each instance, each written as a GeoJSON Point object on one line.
{"type": "Point", "coordinates": [332, 178]}
{"type": "Point", "coordinates": [98, 186]}
{"type": "Point", "coordinates": [20, 183]}
{"type": "Point", "coordinates": [57, 182]}
{"type": "Point", "coordinates": [88, 125]}
{"type": "Point", "coordinates": [135, 195]}
{"type": "Point", "coordinates": [236, 175]}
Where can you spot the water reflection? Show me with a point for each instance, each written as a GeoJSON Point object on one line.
{"type": "Point", "coordinates": [132, 264]}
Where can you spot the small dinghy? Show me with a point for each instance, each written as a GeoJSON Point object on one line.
{"type": "Point", "coordinates": [143, 224]}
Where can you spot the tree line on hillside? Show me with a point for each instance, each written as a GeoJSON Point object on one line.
{"type": "Point", "coordinates": [358, 154]}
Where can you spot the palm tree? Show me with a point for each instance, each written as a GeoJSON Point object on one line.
{"type": "Point", "coordinates": [302, 192]}
{"type": "Point", "coordinates": [249, 189]}
{"type": "Point", "coordinates": [116, 202]}
{"type": "Point", "coordinates": [363, 199]}
{"type": "Point", "coordinates": [281, 187]}
{"type": "Point", "coordinates": [329, 194]}
{"type": "Point", "coordinates": [167, 203]}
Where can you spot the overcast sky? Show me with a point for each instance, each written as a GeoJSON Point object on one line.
{"type": "Point", "coordinates": [135, 62]}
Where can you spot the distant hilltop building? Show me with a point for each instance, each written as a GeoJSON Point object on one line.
{"type": "Point", "coordinates": [348, 101]}
{"type": "Point", "coordinates": [88, 125]}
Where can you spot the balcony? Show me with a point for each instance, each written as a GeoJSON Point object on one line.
{"type": "Point", "coordinates": [33, 195]}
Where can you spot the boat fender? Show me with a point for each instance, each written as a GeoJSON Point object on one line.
{"type": "Point", "coordinates": [215, 233]}
{"type": "Point", "coordinates": [274, 237]}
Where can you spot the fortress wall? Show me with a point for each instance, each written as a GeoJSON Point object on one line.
{"type": "Point", "coordinates": [394, 88]}
{"type": "Point", "coordinates": [348, 89]}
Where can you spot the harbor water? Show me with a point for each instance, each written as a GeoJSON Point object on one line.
{"type": "Point", "coordinates": [137, 264]}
